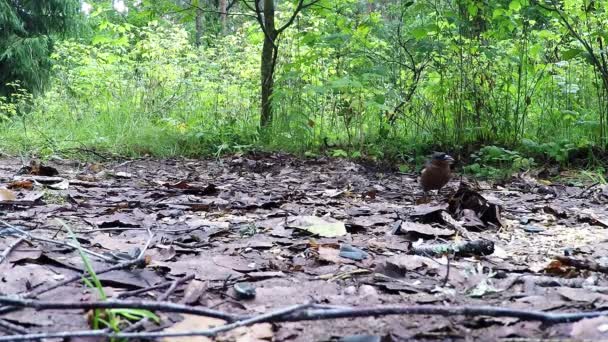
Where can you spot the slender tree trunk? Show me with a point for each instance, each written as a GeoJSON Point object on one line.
{"type": "Point", "coordinates": [198, 24]}
{"type": "Point", "coordinates": [222, 9]}
{"type": "Point", "coordinates": [269, 54]}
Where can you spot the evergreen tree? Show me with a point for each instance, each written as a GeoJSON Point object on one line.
{"type": "Point", "coordinates": [27, 31]}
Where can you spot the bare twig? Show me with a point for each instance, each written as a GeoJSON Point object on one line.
{"type": "Point", "coordinates": [309, 312]}
{"type": "Point", "coordinates": [116, 304]}
{"type": "Point", "coordinates": [8, 326]}
{"type": "Point", "coordinates": [10, 248]}
{"type": "Point", "coordinates": [155, 287]}
{"type": "Point", "coordinates": [447, 271]}
{"type": "Point", "coordinates": [469, 311]}
{"type": "Point", "coordinates": [138, 261]}
{"type": "Point", "coordinates": [174, 284]}
{"type": "Point", "coordinates": [587, 188]}
{"type": "Point", "coordinates": [205, 332]}
{"type": "Point", "coordinates": [29, 236]}
{"type": "Point", "coordinates": [582, 264]}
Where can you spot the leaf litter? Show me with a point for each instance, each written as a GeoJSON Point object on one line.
{"type": "Point", "coordinates": [255, 233]}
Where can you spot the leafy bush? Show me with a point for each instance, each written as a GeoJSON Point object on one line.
{"type": "Point", "coordinates": [496, 163]}
{"type": "Point", "coordinates": [138, 90]}
{"type": "Point", "coordinates": [562, 151]}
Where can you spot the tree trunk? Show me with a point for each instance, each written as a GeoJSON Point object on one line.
{"type": "Point", "coordinates": [269, 54]}
{"type": "Point", "coordinates": [198, 24]}
{"type": "Point", "coordinates": [222, 8]}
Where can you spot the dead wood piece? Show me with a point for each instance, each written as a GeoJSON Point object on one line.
{"type": "Point", "coordinates": [174, 284]}
{"type": "Point", "coordinates": [468, 311]}
{"type": "Point", "coordinates": [10, 327]}
{"type": "Point", "coordinates": [116, 304]}
{"type": "Point", "coordinates": [464, 249]}
{"type": "Point", "coordinates": [466, 203]}
{"type": "Point", "coordinates": [29, 236]}
{"type": "Point", "coordinates": [155, 287]}
{"type": "Point", "coordinates": [543, 281]}
{"type": "Point", "coordinates": [582, 264]}
{"type": "Point", "coordinates": [139, 261]}
{"type": "Point", "coordinates": [311, 312]}
{"type": "Point", "coordinates": [10, 248]}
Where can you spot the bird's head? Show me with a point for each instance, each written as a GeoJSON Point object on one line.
{"type": "Point", "coordinates": [442, 157]}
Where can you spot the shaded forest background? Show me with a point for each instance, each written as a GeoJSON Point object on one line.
{"type": "Point", "coordinates": [505, 84]}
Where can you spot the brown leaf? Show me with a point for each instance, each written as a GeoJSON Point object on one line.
{"type": "Point", "coordinates": [192, 322]}
{"type": "Point", "coordinates": [194, 291]}
{"type": "Point", "coordinates": [7, 195]}
{"type": "Point", "coordinates": [424, 229]}
{"type": "Point", "coordinates": [400, 264]}
{"type": "Point", "coordinates": [332, 255]}
{"type": "Point", "coordinates": [590, 329]}
{"type": "Point", "coordinates": [21, 184]}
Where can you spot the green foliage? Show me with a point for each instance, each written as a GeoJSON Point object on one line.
{"type": "Point", "coordinates": [563, 152]}
{"type": "Point", "coordinates": [106, 317]}
{"type": "Point", "coordinates": [497, 163]}
{"type": "Point", "coordinates": [145, 90]}
{"type": "Point", "coordinates": [17, 101]}
{"type": "Point", "coordinates": [379, 80]}
{"type": "Point", "coordinates": [27, 36]}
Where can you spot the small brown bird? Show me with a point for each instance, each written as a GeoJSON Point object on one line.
{"type": "Point", "coordinates": [436, 172]}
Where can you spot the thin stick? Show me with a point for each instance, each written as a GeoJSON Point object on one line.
{"type": "Point", "coordinates": [138, 261]}
{"type": "Point", "coordinates": [305, 313]}
{"type": "Point", "coordinates": [10, 248]}
{"type": "Point", "coordinates": [12, 327]}
{"type": "Point", "coordinates": [155, 287]}
{"type": "Point", "coordinates": [116, 304]}
{"type": "Point", "coordinates": [204, 332]}
{"type": "Point", "coordinates": [469, 311]}
{"type": "Point", "coordinates": [163, 297]}
{"type": "Point", "coordinates": [116, 229]}
{"type": "Point", "coordinates": [60, 243]}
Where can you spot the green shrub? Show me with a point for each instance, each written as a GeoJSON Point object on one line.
{"type": "Point", "coordinates": [497, 163]}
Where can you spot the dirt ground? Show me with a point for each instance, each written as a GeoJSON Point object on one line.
{"type": "Point", "coordinates": [286, 226]}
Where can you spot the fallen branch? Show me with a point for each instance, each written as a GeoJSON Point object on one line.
{"type": "Point", "coordinates": [115, 304]}
{"type": "Point", "coordinates": [582, 264]}
{"type": "Point", "coordinates": [310, 312]}
{"type": "Point", "coordinates": [10, 248]}
{"type": "Point", "coordinates": [468, 311]}
{"type": "Point", "coordinates": [173, 285]}
{"type": "Point", "coordinates": [29, 236]}
{"type": "Point", "coordinates": [155, 287]}
{"type": "Point", "coordinates": [204, 332]}
{"type": "Point", "coordinates": [8, 326]}
{"type": "Point", "coordinates": [463, 249]}
{"type": "Point", "coordinates": [139, 261]}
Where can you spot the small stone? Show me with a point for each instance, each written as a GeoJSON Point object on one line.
{"type": "Point", "coordinates": [244, 290]}
{"type": "Point", "coordinates": [351, 290]}
{"type": "Point", "coordinates": [532, 228]}
{"type": "Point", "coordinates": [367, 291]}
{"type": "Point", "coordinates": [350, 252]}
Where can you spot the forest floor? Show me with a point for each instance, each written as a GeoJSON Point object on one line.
{"type": "Point", "coordinates": [299, 230]}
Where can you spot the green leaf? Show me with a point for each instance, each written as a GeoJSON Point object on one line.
{"type": "Point", "coordinates": [515, 5]}
{"type": "Point", "coordinates": [472, 9]}
{"type": "Point", "coordinates": [570, 54]}
{"type": "Point", "coordinates": [338, 153]}
{"type": "Point", "coordinates": [136, 314]}
{"type": "Point", "coordinates": [420, 32]}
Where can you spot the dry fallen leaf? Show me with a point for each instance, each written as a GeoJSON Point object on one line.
{"type": "Point", "coordinates": [192, 322]}
{"type": "Point", "coordinates": [7, 195]}
{"type": "Point", "coordinates": [255, 333]}
{"type": "Point", "coordinates": [21, 184]}
{"type": "Point", "coordinates": [590, 329]}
